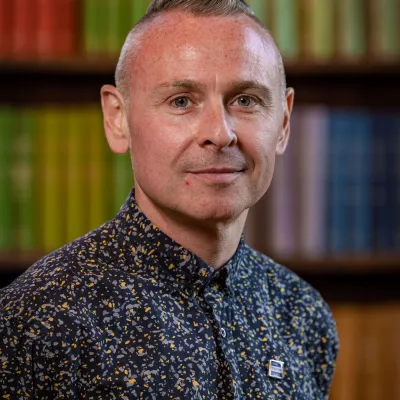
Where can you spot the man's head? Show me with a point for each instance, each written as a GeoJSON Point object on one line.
{"type": "Point", "coordinates": [196, 7]}
{"type": "Point", "coordinates": [200, 107]}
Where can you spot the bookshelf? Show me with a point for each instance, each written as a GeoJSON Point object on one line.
{"type": "Point", "coordinates": [339, 83]}
{"type": "Point", "coordinates": [353, 284]}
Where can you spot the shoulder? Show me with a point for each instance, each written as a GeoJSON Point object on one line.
{"type": "Point", "coordinates": [290, 293]}
{"type": "Point", "coordinates": [53, 281]}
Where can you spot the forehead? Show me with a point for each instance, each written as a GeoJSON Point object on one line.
{"type": "Point", "coordinates": [178, 45]}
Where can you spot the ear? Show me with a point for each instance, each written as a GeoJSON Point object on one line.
{"type": "Point", "coordinates": [284, 136]}
{"type": "Point", "coordinates": [114, 117]}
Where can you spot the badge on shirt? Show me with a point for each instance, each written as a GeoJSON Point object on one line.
{"type": "Point", "coordinates": [275, 369]}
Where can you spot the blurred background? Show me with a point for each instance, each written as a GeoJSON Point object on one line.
{"type": "Point", "coordinates": [332, 213]}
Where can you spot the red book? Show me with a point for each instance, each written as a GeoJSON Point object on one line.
{"type": "Point", "coordinates": [68, 27]}
{"type": "Point", "coordinates": [5, 28]}
{"type": "Point", "coordinates": [24, 28]}
{"type": "Point", "coordinates": [47, 28]}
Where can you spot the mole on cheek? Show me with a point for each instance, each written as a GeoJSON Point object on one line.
{"type": "Point", "coordinates": [187, 183]}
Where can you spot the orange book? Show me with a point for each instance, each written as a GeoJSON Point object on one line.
{"type": "Point", "coordinates": [5, 28]}
{"type": "Point", "coordinates": [24, 28]}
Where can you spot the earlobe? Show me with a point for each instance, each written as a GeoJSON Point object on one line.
{"type": "Point", "coordinates": [114, 117]}
{"type": "Point", "coordinates": [285, 133]}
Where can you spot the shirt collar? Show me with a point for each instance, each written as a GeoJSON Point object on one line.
{"type": "Point", "coordinates": [151, 249]}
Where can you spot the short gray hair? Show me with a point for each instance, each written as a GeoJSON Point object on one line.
{"type": "Point", "coordinates": [196, 7]}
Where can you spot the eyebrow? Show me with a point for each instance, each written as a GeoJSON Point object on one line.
{"type": "Point", "coordinates": [236, 87]}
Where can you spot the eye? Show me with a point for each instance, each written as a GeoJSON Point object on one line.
{"type": "Point", "coordinates": [181, 102]}
{"type": "Point", "coordinates": [245, 101]}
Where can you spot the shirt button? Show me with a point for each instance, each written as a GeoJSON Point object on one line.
{"type": "Point", "coordinates": [223, 332]}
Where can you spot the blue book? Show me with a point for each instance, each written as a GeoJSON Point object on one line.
{"type": "Point", "coordinates": [386, 134]}
{"type": "Point", "coordinates": [361, 194]}
{"type": "Point", "coordinates": [339, 210]}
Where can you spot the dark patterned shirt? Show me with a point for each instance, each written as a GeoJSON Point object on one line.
{"type": "Point", "coordinates": [127, 313]}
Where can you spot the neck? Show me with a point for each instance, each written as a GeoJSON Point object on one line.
{"type": "Point", "coordinates": [215, 242]}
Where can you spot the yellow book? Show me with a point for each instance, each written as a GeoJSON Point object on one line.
{"type": "Point", "coordinates": [75, 183]}
{"type": "Point", "coordinates": [50, 184]}
{"type": "Point", "coordinates": [98, 171]}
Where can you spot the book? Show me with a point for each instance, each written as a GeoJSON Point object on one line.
{"type": "Point", "coordinates": [384, 38]}
{"type": "Point", "coordinates": [122, 179]}
{"type": "Point", "coordinates": [313, 149]}
{"type": "Point", "coordinates": [6, 28]}
{"type": "Point", "coordinates": [262, 9]}
{"type": "Point", "coordinates": [317, 24]}
{"type": "Point", "coordinates": [339, 203]}
{"type": "Point", "coordinates": [351, 29]}
{"type": "Point", "coordinates": [98, 169]}
{"type": "Point", "coordinates": [69, 28]}
{"type": "Point", "coordinates": [76, 183]}
{"type": "Point", "coordinates": [360, 182]}
{"type": "Point", "coordinates": [51, 210]}
{"type": "Point", "coordinates": [345, 385]}
{"type": "Point", "coordinates": [7, 131]}
{"type": "Point", "coordinates": [47, 28]}
{"type": "Point", "coordinates": [138, 10]}
{"type": "Point", "coordinates": [285, 27]}
{"type": "Point", "coordinates": [386, 134]}
{"type": "Point", "coordinates": [24, 20]}
{"type": "Point", "coordinates": [24, 185]}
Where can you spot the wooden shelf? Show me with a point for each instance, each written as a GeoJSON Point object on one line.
{"type": "Point", "coordinates": [106, 66]}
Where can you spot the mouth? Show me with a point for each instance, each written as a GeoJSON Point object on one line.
{"type": "Point", "coordinates": [218, 175]}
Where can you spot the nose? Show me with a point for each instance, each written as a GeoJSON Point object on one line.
{"type": "Point", "coordinates": [216, 128]}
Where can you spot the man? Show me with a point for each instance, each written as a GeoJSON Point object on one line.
{"type": "Point", "coordinates": [166, 301]}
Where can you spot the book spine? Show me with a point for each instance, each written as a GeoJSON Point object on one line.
{"type": "Point", "coordinates": [7, 131]}
{"type": "Point", "coordinates": [113, 13]}
{"type": "Point", "coordinates": [24, 181]}
{"type": "Point", "coordinates": [97, 168]}
{"type": "Point", "coordinates": [76, 180]}
{"type": "Point", "coordinates": [361, 175]}
{"type": "Point", "coordinates": [339, 215]}
{"type": "Point", "coordinates": [24, 34]}
{"type": "Point", "coordinates": [123, 179]}
{"type": "Point", "coordinates": [286, 27]}
{"type": "Point", "coordinates": [139, 10]}
{"type": "Point", "coordinates": [351, 28]}
{"type": "Point", "coordinates": [68, 30]}
{"type": "Point", "coordinates": [313, 150]}
{"type": "Point", "coordinates": [261, 10]}
{"type": "Point", "coordinates": [91, 27]}
{"type": "Point", "coordinates": [52, 209]}
{"type": "Point", "coordinates": [47, 28]}
{"type": "Point", "coordinates": [6, 28]}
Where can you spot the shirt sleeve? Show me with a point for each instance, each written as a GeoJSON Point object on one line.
{"type": "Point", "coordinates": [324, 346]}
{"type": "Point", "coordinates": [30, 364]}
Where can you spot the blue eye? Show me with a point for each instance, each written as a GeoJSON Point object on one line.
{"type": "Point", "coordinates": [245, 101]}
{"type": "Point", "coordinates": [181, 102]}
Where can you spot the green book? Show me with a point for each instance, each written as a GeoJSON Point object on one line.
{"type": "Point", "coordinates": [114, 20]}
{"type": "Point", "coordinates": [123, 179]}
{"type": "Point", "coordinates": [385, 27]}
{"type": "Point", "coordinates": [139, 8]}
{"type": "Point", "coordinates": [286, 27]}
{"type": "Point", "coordinates": [261, 10]}
{"type": "Point", "coordinates": [352, 28]}
{"type": "Point", "coordinates": [25, 179]}
{"type": "Point", "coordinates": [91, 27]}
{"type": "Point", "coordinates": [125, 20]}
{"type": "Point", "coordinates": [7, 216]}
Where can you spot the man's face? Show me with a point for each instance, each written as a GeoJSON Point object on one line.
{"type": "Point", "coordinates": [205, 115]}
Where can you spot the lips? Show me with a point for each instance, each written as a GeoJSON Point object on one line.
{"type": "Point", "coordinates": [217, 170]}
